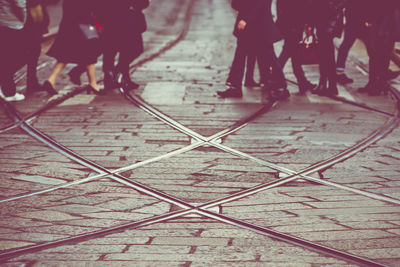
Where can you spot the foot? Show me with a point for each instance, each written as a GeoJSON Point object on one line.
{"type": "Point", "coordinates": [16, 97]}
{"type": "Point", "coordinates": [367, 88]}
{"type": "Point", "coordinates": [343, 79]}
{"type": "Point", "coordinates": [47, 86]}
{"type": "Point", "coordinates": [330, 91]}
{"type": "Point", "coordinates": [280, 94]}
{"type": "Point", "coordinates": [320, 88]}
{"type": "Point", "coordinates": [33, 87]}
{"type": "Point", "coordinates": [231, 92]}
{"type": "Point", "coordinates": [306, 86]}
{"type": "Point", "coordinates": [251, 83]}
{"type": "Point", "coordinates": [129, 85]}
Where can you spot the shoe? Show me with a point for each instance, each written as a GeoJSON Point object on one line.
{"type": "Point", "coordinates": [33, 87]}
{"type": "Point", "coordinates": [129, 85]}
{"type": "Point", "coordinates": [228, 83]}
{"type": "Point", "coordinates": [366, 89]}
{"type": "Point", "coordinates": [251, 83]}
{"type": "Point", "coordinates": [321, 87]}
{"type": "Point", "coordinates": [75, 76]}
{"type": "Point", "coordinates": [306, 86]}
{"type": "Point", "coordinates": [343, 79]}
{"type": "Point", "coordinates": [110, 82]}
{"type": "Point", "coordinates": [280, 93]}
{"type": "Point", "coordinates": [230, 92]}
{"type": "Point", "coordinates": [16, 97]}
{"type": "Point", "coordinates": [49, 88]}
{"type": "Point", "coordinates": [330, 91]}
{"type": "Point", "coordinates": [90, 89]}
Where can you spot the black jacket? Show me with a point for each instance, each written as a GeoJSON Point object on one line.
{"type": "Point", "coordinates": [122, 15]}
{"type": "Point", "coordinates": [293, 15]}
{"type": "Point", "coordinates": [328, 16]}
{"type": "Point", "coordinates": [259, 22]}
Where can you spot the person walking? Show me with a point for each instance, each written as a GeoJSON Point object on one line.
{"type": "Point", "coordinates": [328, 15]}
{"type": "Point", "coordinates": [356, 14]}
{"type": "Point", "coordinates": [36, 25]}
{"type": "Point", "coordinates": [123, 24]}
{"type": "Point", "coordinates": [385, 32]}
{"type": "Point", "coordinates": [76, 42]}
{"type": "Point", "coordinates": [293, 18]}
{"type": "Point", "coordinates": [255, 31]}
{"type": "Point", "coordinates": [13, 15]}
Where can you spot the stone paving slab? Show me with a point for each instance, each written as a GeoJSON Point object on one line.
{"type": "Point", "coordinates": [114, 133]}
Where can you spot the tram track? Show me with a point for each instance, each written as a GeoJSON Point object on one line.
{"type": "Point", "coordinates": [202, 209]}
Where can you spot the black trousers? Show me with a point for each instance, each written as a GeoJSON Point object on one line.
{"type": "Point", "coordinates": [326, 54]}
{"type": "Point", "coordinates": [12, 57]}
{"type": "Point", "coordinates": [265, 56]}
{"type": "Point", "coordinates": [128, 48]}
{"type": "Point", "coordinates": [289, 50]}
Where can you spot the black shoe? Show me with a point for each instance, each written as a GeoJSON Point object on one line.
{"type": "Point", "coordinates": [129, 85]}
{"type": "Point", "coordinates": [330, 91]}
{"type": "Point", "coordinates": [230, 92]}
{"type": "Point", "coordinates": [251, 83]}
{"type": "Point", "coordinates": [33, 87]}
{"type": "Point", "coordinates": [90, 89]}
{"type": "Point", "coordinates": [343, 79]}
{"type": "Point", "coordinates": [49, 88]}
{"type": "Point", "coordinates": [366, 89]}
{"type": "Point", "coordinates": [306, 86]}
{"type": "Point", "coordinates": [280, 93]}
{"type": "Point", "coordinates": [75, 76]}
{"type": "Point", "coordinates": [320, 88]}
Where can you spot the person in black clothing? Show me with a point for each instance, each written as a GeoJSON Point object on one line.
{"type": "Point", "coordinates": [356, 13]}
{"type": "Point", "coordinates": [293, 18]}
{"type": "Point", "coordinates": [13, 44]}
{"type": "Point", "coordinates": [385, 31]}
{"type": "Point", "coordinates": [123, 23]}
{"type": "Point", "coordinates": [255, 31]}
{"type": "Point", "coordinates": [329, 22]}
{"type": "Point", "coordinates": [36, 25]}
{"type": "Point", "coordinates": [71, 45]}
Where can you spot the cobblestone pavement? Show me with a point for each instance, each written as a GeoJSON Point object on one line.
{"type": "Point", "coordinates": [182, 83]}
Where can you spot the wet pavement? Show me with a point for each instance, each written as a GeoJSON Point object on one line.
{"type": "Point", "coordinates": [354, 210]}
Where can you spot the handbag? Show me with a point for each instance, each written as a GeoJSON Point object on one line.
{"type": "Point", "coordinates": [89, 31]}
{"type": "Point", "coordinates": [307, 50]}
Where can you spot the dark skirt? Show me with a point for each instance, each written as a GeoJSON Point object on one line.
{"type": "Point", "coordinates": [71, 46]}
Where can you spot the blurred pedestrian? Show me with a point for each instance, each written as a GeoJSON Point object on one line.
{"type": "Point", "coordinates": [76, 42]}
{"type": "Point", "coordinates": [328, 15]}
{"type": "Point", "coordinates": [255, 31]}
{"type": "Point", "coordinates": [37, 24]}
{"type": "Point", "coordinates": [13, 16]}
{"type": "Point", "coordinates": [385, 31]}
{"type": "Point", "coordinates": [293, 18]}
{"type": "Point", "coordinates": [123, 24]}
{"type": "Point", "coordinates": [357, 13]}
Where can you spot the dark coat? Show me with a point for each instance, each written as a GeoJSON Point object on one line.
{"type": "Point", "coordinates": [122, 17]}
{"type": "Point", "coordinates": [328, 16]}
{"type": "Point", "coordinates": [293, 15]}
{"type": "Point", "coordinates": [386, 19]}
{"type": "Point", "coordinates": [260, 26]}
{"type": "Point", "coordinates": [70, 45]}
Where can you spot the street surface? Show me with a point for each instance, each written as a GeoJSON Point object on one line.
{"type": "Point", "coordinates": [182, 83]}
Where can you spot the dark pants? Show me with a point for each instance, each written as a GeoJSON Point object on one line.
{"type": "Point", "coordinates": [265, 56]}
{"type": "Point", "coordinates": [129, 49]}
{"type": "Point", "coordinates": [12, 57]}
{"type": "Point", "coordinates": [326, 54]}
{"type": "Point", "coordinates": [351, 33]}
{"type": "Point", "coordinates": [289, 50]}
